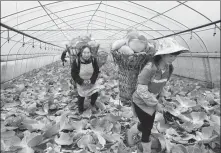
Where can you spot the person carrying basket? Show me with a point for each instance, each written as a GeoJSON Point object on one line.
{"type": "Point", "coordinates": [63, 55]}
{"type": "Point", "coordinates": [85, 72]}
{"type": "Point", "coordinates": [150, 90]}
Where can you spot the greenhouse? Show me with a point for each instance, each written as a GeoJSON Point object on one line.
{"type": "Point", "coordinates": [110, 76]}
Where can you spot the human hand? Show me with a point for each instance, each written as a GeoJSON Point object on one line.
{"type": "Point", "coordinates": [153, 97]}
{"type": "Point", "coordinates": [87, 82]}
{"type": "Point", "coordinates": [162, 100]}
{"type": "Point", "coordinates": [168, 105]}
{"type": "Point", "coordinates": [160, 108]}
{"type": "Point", "coordinates": [151, 100]}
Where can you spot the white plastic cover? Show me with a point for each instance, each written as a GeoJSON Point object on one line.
{"type": "Point", "coordinates": [58, 22]}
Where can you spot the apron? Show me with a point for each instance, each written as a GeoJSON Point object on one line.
{"type": "Point", "coordinates": [86, 71]}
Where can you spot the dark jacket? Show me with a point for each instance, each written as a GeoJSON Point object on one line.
{"type": "Point", "coordinates": [75, 70]}
{"type": "Point", "coordinates": [63, 55]}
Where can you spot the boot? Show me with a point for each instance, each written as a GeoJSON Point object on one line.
{"type": "Point", "coordinates": [80, 104]}
{"type": "Point", "coordinates": [94, 98]}
{"type": "Point", "coordinates": [132, 135]}
{"type": "Point", "coordinates": [146, 147]}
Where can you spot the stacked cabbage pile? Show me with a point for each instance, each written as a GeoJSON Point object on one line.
{"type": "Point", "coordinates": [77, 43]}
{"type": "Point", "coordinates": [133, 51]}
{"type": "Point", "coordinates": [133, 43]}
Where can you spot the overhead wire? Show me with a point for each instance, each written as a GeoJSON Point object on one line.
{"type": "Point", "coordinates": [28, 10]}
{"type": "Point", "coordinates": [53, 20]}
{"type": "Point", "coordinates": [104, 38]}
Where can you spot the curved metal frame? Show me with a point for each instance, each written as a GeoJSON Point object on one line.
{"type": "Point", "coordinates": [107, 12]}
{"type": "Point", "coordinates": [116, 8]}
{"type": "Point", "coordinates": [198, 13]}
{"type": "Point", "coordinates": [203, 45]}
{"type": "Point", "coordinates": [174, 21]}
{"type": "Point", "coordinates": [53, 20]}
{"type": "Point", "coordinates": [16, 56]}
{"type": "Point", "coordinates": [53, 12]}
{"type": "Point", "coordinates": [70, 8]}
{"type": "Point", "coordinates": [81, 25]}
{"type": "Point", "coordinates": [28, 10]}
{"type": "Point", "coordinates": [40, 23]}
{"type": "Point", "coordinates": [9, 53]}
{"type": "Point", "coordinates": [147, 19]}
{"type": "Point", "coordinates": [129, 20]}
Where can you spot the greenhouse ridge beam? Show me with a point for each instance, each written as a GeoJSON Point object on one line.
{"type": "Point", "coordinates": [22, 33]}
{"type": "Point", "coordinates": [205, 25]}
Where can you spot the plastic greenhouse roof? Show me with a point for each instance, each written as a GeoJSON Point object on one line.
{"type": "Point", "coordinates": [57, 22]}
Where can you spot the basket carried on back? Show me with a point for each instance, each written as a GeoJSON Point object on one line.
{"type": "Point", "coordinates": [129, 67]}
{"type": "Point", "coordinates": [102, 57]}
{"type": "Point", "coordinates": [131, 54]}
{"type": "Point", "coordinates": [77, 43]}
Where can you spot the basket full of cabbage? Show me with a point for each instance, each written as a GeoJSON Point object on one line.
{"type": "Point", "coordinates": [131, 54]}
{"type": "Point", "coordinates": [78, 42]}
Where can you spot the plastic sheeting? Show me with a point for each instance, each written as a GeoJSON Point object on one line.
{"type": "Point", "coordinates": [57, 22]}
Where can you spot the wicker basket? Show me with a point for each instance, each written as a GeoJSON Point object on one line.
{"type": "Point", "coordinates": [129, 67]}
{"type": "Point", "coordinates": [94, 50]}
{"type": "Point", "coordinates": [101, 58]}
{"type": "Point", "coordinates": [73, 55]}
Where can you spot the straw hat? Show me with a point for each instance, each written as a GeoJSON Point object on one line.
{"type": "Point", "coordinates": [168, 46]}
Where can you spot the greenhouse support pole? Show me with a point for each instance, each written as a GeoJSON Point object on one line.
{"type": "Point", "coordinates": [53, 59]}
{"type": "Point", "coordinates": [205, 25]}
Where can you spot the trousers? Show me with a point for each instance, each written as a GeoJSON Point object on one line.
{"type": "Point", "coordinates": [146, 123]}
{"type": "Point", "coordinates": [81, 101]}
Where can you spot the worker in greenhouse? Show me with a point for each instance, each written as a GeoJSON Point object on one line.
{"type": "Point", "coordinates": [63, 55]}
{"type": "Point", "coordinates": [85, 73]}
{"type": "Point", "coordinates": [147, 98]}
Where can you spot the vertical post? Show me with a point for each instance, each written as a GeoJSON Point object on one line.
{"type": "Point", "coordinates": [23, 41]}
{"type": "Point", "coordinates": [53, 58]}
{"type": "Point", "coordinates": [8, 36]}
